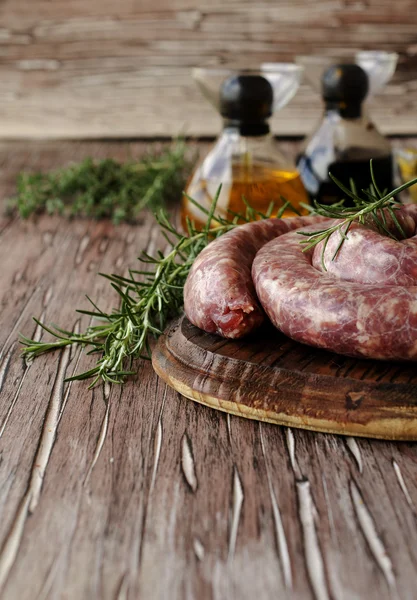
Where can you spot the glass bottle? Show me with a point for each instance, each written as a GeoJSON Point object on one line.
{"type": "Point", "coordinates": [245, 159]}
{"type": "Point", "coordinates": [407, 164]}
{"type": "Point", "coordinates": [345, 140]}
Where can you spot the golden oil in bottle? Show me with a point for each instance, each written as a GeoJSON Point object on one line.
{"type": "Point", "coordinates": [245, 159]}
{"type": "Point", "coordinates": [407, 163]}
{"type": "Point", "coordinates": [259, 187]}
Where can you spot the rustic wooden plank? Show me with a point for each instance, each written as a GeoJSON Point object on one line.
{"type": "Point", "coordinates": [125, 71]}
{"type": "Point", "coordinates": [146, 494]}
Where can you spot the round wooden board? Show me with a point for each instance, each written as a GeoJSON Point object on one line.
{"type": "Point", "coordinates": [271, 378]}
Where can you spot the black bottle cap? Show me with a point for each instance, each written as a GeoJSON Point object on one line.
{"type": "Point", "coordinates": [345, 87]}
{"type": "Point", "coordinates": [246, 101]}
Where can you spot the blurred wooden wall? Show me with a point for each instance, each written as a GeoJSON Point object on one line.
{"type": "Point", "coordinates": [121, 68]}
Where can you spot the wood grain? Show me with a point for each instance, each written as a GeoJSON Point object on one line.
{"type": "Point", "coordinates": [102, 69]}
{"type": "Point", "coordinates": [144, 494]}
{"type": "Point", "coordinates": [270, 378]}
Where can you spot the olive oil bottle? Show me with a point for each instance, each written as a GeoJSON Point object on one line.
{"type": "Point", "coordinates": [245, 159]}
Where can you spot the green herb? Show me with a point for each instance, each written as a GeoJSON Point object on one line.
{"type": "Point", "coordinates": [374, 205]}
{"type": "Point", "coordinates": [148, 300]}
{"type": "Point", "coordinates": [105, 188]}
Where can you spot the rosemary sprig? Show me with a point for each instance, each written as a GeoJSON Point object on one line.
{"type": "Point", "coordinates": [147, 300]}
{"type": "Point", "coordinates": [105, 188]}
{"type": "Point", "coordinates": [374, 204]}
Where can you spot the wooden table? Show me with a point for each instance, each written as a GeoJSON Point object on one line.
{"type": "Point", "coordinates": [136, 492]}
{"type": "Point", "coordinates": [99, 68]}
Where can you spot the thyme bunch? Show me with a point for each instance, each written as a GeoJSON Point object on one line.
{"type": "Point", "coordinates": [104, 188]}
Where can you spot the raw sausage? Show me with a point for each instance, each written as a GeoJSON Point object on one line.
{"type": "Point", "coordinates": [219, 296]}
{"type": "Point", "coordinates": [363, 303]}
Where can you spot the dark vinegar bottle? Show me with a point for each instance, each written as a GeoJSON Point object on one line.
{"type": "Point", "coordinates": [345, 141]}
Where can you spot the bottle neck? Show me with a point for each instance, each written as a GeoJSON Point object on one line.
{"type": "Point", "coordinates": [346, 111]}
{"type": "Point", "coordinates": [247, 129]}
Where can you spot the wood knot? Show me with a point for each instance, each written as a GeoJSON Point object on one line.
{"type": "Point", "coordinates": [354, 400]}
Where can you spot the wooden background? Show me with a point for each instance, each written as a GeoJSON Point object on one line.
{"type": "Point", "coordinates": [99, 68]}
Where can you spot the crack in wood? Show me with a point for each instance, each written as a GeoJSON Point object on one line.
{"type": "Point", "coordinates": [281, 540]}
{"type": "Point", "coordinates": [188, 463]}
{"type": "Point", "coordinates": [403, 486]}
{"type": "Point", "coordinates": [289, 436]}
{"type": "Point", "coordinates": [103, 245]}
{"type": "Point", "coordinates": [313, 554]}
{"type": "Point", "coordinates": [368, 527]}
{"type": "Point", "coordinates": [329, 509]}
{"type": "Point", "coordinates": [229, 427]}
{"type": "Point", "coordinates": [47, 296]}
{"type": "Point", "coordinates": [353, 446]}
{"type": "Point", "coordinates": [199, 549]}
{"type": "Point", "coordinates": [4, 365]}
{"type": "Point", "coordinates": [82, 247]}
{"type": "Point", "coordinates": [11, 545]}
{"type": "Point", "coordinates": [122, 592]}
{"type": "Point", "coordinates": [30, 500]}
{"type": "Point", "coordinates": [18, 277]}
{"type": "Point", "coordinates": [157, 443]}
{"type": "Point", "coordinates": [48, 238]}
{"type": "Point", "coordinates": [103, 430]}
{"type": "Point", "coordinates": [48, 432]}
{"type": "Point", "coordinates": [13, 402]}
{"type": "Point", "coordinates": [308, 514]}
{"type": "Point", "coordinates": [237, 501]}
{"type": "Point", "coordinates": [142, 522]}
{"type": "Point", "coordinates": [27, 363]}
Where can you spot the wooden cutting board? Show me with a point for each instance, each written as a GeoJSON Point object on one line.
{"type": "Point", "coordinates": [271, 378]}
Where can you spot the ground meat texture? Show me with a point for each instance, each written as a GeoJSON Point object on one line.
{"type": "Point", "coordinates": [373, 319]}
{"type": "Point", "coordinates": [368, 257]}
{"type": "Point", "coordinates": [411, 210]}
{"type": "Point", "coordinates": [219, 295]}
